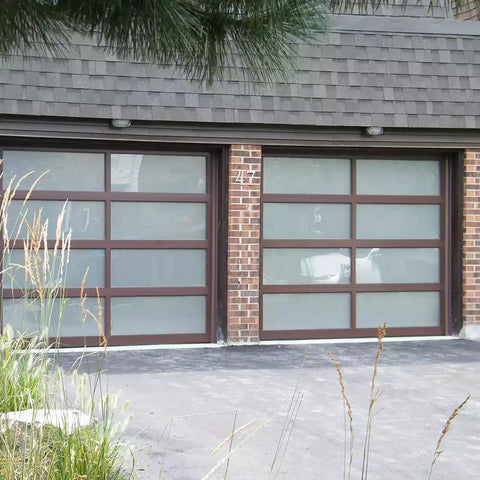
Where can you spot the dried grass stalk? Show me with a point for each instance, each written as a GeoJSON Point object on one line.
{"type": "Point", "coordinates": [374, 394]}
{"type": "Point", "coordinates": [445, 430]}
{"type": "Point", "coordinates": [348, 412]}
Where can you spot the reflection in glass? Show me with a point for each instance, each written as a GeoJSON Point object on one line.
{"type": "Point", "coordinates": [158, 221]}
{"type": "Point", "coordinates": [63, 171]}
{"type": "Point", "coordinates": [26, 317]}
{"type": "Point", "coordinates": [306, 265]}
{"type": "Point", "coordinates": [305, 311]}
{"type": "Point", "coordinates": [398, 265]}
{"type": "Point", "coordinates": [70, 275]}
{"type": "Point", "coordinates": [398, 309]}
{"type": "Point", "coordinates": [158, 315]}
{"type": "Point", "coordinates": [158, 173]}
{"type": "Point", "coordinates": [85, 219]}
{"type": "Point", "coordinates": [398, 221]}
{"type": "Point", "coordinates": [306, 221]}
{"type": "Point", "coordinates": [306, 175]}
{"type": "Point", "coordinates": [398, 177]}
{"type": "Point", "coordinates": [158, 268]}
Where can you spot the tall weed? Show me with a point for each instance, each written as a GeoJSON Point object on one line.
{"type": "Point", "coordinates": [29, 376]}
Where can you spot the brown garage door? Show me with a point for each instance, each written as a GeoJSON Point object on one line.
{"type": "Point", "coordinates": [349, 243]}
{"type": "Point", "coordinates": [141, 223]}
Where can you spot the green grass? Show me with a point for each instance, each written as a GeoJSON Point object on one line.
{"type": "Point", "coordinates": [23, 373]}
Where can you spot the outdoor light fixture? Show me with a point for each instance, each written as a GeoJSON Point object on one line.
{"type": "Point", "coordinates": [373, 131]}
{"type": "Point", "coordinates": [120, 123]}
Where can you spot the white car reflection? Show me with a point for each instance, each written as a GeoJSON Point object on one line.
{"type": "Point", "coordinates": [335, 268]}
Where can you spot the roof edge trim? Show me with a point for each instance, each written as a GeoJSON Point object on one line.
{"type": "Point", "coordinates": [429, 26]}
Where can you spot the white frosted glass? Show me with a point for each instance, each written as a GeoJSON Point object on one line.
{"type": "Point", "coordinates": [306, 175]}
{"type": "Point", "coordinates": [398, 309]}
{"type": "Point", "coordinates": [158, 315]}
{"type": "Point", "coordinates": [158, 173]}
{"type": "Point", "coordinates": [306, 311]}
{"type": "Point", "coordinates": [158, 221]}
{"type": "Point", "coordinates": [26, 317]}
{"type": "Point", "coordinates": [158, 268]}
{"type": "Point", "coordinates": [398, 265]}
{"type": "Point", "coordinates": [59, 273]}
{"type": "Point", "coordinates": [398, 177]}
{"type": "Point", "coordinates": [306, 265]}
{"type": "Point", "coordinates": [85, 219]}
{"type": "Point", "coordinates": [306, 221]}
{"type": "Point", "coordinates": [65, 171]}
{"type": "Point", "coordinates": [398, 221]}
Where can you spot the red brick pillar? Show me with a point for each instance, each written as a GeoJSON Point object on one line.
{"type": "Point", "coordinates": [244, 176]}
{"type": "Point", "coordinates": [471, 246]}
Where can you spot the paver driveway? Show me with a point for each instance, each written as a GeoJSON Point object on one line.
{"type": "Point", "coordinates": [206, 390]}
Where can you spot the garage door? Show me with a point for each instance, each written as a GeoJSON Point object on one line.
{"type": "Point", "coordinates": [140, 223]}
{"type": "Point", "coordinates": [351, 243]}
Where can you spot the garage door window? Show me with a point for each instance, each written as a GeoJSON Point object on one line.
{"type": "Point", "coordinates": [139, 222]}
{"type": "Point", "coordinates": [360, 242]}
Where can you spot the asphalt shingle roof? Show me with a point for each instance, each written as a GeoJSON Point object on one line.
{"type": "Point", "coordinates": [387, 71]}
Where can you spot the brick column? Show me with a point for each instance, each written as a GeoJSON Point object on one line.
{"type": "Point", "coordinates": [244, 175]}
{"type": "Point", "coordinates": [471, 246]}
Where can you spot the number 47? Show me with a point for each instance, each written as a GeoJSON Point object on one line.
{"type": "Point", "coordinates": [241, 180]}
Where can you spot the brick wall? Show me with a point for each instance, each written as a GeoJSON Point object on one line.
{"type": "Point", "coordinates": [471, 239]}
{"type": "Point", "coordinates": [244, 175]}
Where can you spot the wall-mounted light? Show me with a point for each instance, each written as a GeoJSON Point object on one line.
{"type": "Point", "coordinates": [121, 123]}
{"type": "Point", "coordinates": [373, 131]}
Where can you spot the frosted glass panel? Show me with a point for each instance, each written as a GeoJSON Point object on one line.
{"type": "Point", "coordinates": [158, 221]}
{"type": "Point", "coordinates": [158, 173]}
{"type": "Point", "coordinates": [398, 265]}
{"type": "Point", "coordinates": [158, 315]}
{"type": "Point", "coordinates": [304, 311]}
{"type": "Point", "coordinates": [306, 265]}
{"type": "Point", "coordinates": [70, 276]}
{"type": "Point", "coordinates": [398, 309]}
{"type": "Point", "coordinates": [158, 268]}
{"type": "Point", "coordinates": [25, 316]}
{"type": "Point", "coordinates": [306, 175]}
{"type": "Point", "coordinates": [85, 219]}
{"type": "Point", "coordinates": [398, 177]}
{"type": "Point", "coordinates": [398, 221]}
{"type": "Point", "coordinates": [306, 221]}
{"type": "Point", "coordinates": [66, 171]}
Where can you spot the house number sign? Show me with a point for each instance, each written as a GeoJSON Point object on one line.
{"type": "Point", "coordinates": [240, 178]}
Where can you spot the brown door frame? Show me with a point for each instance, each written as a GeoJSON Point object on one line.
{"type": "Point", "coordinates": [216, 252]}
{"type": "Point", "coordinates": [444, 286]}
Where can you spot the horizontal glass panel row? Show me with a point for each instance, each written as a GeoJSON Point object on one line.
{"type": "Point", "coordinates": [158, 173]}
{"type": "Point", "coordinates": [306, 221]}
{"type": "Point", "coordinates": [301, 175]}
{"type": "Point", "coordinates": [158, 315]}
{"type": "Point", "coordinates": [306, 175]}
{"type": "Point", "coordinates": [130, 268]}
{"type": "Point", "coordinates": [305, 266]}
{"type": "Point", "coordinates": [330, 221]}
{"type": "Point", "coordinates": [130, 316]}
{"type": "Point", "coordinates": [290, 266]}
{"type": "Point", "coordinates": [61, 171]}
{"type": "Point", "coordinates": [158, 268]}
{"type": "Point", "coordinates": [317, 311]}
{"type": "Point", "coordinates": [158, 221]}
{"type": "Point", "coordinates": [398, 177]}
{"type": "Point", "coordinates": [58, 317]}
{"type": "Point", "coordinates": [77, 171]}
{"type": "Point", "coordinates": [129, 220]}
{"type": "Point", "coordinates": [28, 270]}
{"type": "Point", "coordinates": [86, 220]}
